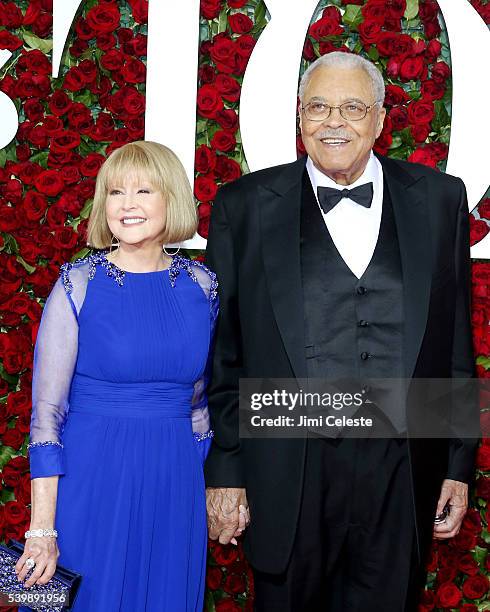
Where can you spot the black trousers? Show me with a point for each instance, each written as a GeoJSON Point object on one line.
{"type": "Point", "coordinates": [355, 547]}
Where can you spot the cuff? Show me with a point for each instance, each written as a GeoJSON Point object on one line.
{"type": "Point", "coordinates": [46, 459]}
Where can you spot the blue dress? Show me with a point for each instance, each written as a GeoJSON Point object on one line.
{"type": "Point", "coordinates": [119, 412]}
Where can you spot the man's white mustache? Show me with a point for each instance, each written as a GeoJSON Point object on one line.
{"type": "Point", "coordinates": [338, 134]}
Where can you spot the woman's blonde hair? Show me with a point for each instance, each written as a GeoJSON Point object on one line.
{"type": "Point", "coordinates": [163, 169]}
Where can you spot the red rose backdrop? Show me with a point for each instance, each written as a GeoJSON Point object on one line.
{"type": "Point", "coordinates": [67, 127]}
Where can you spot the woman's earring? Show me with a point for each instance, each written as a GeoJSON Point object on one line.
{"type": "Point", "coordinates": [116, 246]}
{"type": "Point", "coordinates": [171, 254]}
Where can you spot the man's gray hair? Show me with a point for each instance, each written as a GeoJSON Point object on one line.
{"type": "Point", "coordinates": [340, 59]}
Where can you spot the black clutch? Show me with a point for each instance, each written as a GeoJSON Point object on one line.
{"type": "Point", "coordinates": [57, 595]}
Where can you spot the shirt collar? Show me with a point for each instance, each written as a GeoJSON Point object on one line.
{"type": "Point", "coordinates": [319, 179]}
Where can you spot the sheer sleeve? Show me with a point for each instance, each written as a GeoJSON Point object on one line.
{"type": "Point", "coordinates": [55, 355]}
{"type": "Point", "coordinates": [200, 415]}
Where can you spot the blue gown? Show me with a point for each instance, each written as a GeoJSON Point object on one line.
{"type": "Point", "coordinates": [119, 412]}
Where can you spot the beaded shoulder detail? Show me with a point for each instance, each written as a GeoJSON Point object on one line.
{"type": "Point", "coordinates": [178, 264]}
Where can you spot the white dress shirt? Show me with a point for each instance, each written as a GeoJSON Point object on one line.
{"type": "Point", "coordinates": [354, 229]}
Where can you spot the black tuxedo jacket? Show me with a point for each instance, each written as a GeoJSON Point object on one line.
{"type": "Point", "coordinates": [254, 248]}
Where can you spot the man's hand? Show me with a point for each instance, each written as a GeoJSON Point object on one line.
{"type": "Point", "coordinates": [228, 513]}
{"type": "Point", "coordinates": [454, 493]}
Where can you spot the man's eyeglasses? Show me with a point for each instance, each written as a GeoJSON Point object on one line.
{"type": "Point", "coordinates": [351, 111]}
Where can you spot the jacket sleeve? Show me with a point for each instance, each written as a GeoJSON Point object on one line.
{"type": "Point", "coordinates": [223, 467]}
{"type": "Point", "coordinates": [465, 409]}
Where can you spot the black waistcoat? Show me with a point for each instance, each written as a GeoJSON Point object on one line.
{"type": "Point", "coordinates": [353, 327]}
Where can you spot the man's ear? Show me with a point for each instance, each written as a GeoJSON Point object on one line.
{"type": "Point", "coordinates": [381, 120]}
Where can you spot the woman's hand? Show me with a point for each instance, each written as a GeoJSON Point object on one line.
{"type": "Point", "coordinates": [44, 551]}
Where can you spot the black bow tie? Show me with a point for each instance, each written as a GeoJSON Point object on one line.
{"type": "Point", "coordinates": [330, 197]}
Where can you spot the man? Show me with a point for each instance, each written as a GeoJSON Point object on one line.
{"type": "Point", "coordinates": [315, 281]}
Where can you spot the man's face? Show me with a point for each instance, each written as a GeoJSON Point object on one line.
{"type": "Point", "coordinates": [342, 161]}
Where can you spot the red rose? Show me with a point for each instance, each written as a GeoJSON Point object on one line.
{"type": "Point", "coordinates": [65, 141]}
{"type": "Point", "coordinates": [90, 165]}
{"type": "Point", "coordinates": [464, 540]}
{"type": "Point", "coordinates": [411, 68]}
{"type": "Point", "coordinates": [323, 28]}
{"type": "Point", "coordinates": [106, 41]}
{"type": "Point", "coordinates": [223, 53]}
{"type": "Point", "coordinates": [210, 9]}
{"type": "Point", "coordinates": [34, 205]}
{"type": "Point", "coordinates": [223, 141]}
{"type": "Point", "coordinates": [228, 605]}
{"type": "Point", "coordinates": [225, 555]}
{"type": "Point", "coordinates": [393, 67]}
{"type": "Point", "coordinates": [33, 110]}
{"type": "Point", "coordinates": [468, 608]}
{"type": "Point", "coordinates": [483, 455]}
{"type": "Point", "coordinates": [244, 47]}
{"type": "Point", "coordinates": [227, 119]}
{"type": "Point", "coordinates": [19, 402]}
{"type": "Point", "coordinates": [240, 23]}
{"type": "Point", "coordinates": [399, 117]}
{"type": "Point", "coordinates": [59, 103]}
{"type": "Point", "coordinates": [139, 10]}
{"type": "Point", "coordinates": [209, 101]}
{"type": "Point", "coordinates": [205, 159]}
{"type": "Point", "coordinates": [432, 29]}
{"type": "Point", "coordinates": [207, 74]}
{"type": "Point", "coordinates": [13, 437]}
{"type": "Point", "coordinates": [440, 72]}
{"type": "Point", "coordinates": [134, 71]}
{"type": "Point", "coordinates": [448, 595]}
{"type": "Point", "coordinates": [213, 578]}
{"type": "Point", "coordinates": [204, 217]}
{"type": "Point", "coordinates": [427, 600]}
{"type": "Point", "coordinates": [374, 10]}
{"type": "Point", "coordinates": [484, 208]}
{"type": "Point", "coordinates": [476, 587]}
{"type": "Point", "coordinates": [80, 117]}
{"type": "Point", "coordinates": [370, 32]}
{"type": "Point", "coordinates": [205, 188]}
{"type": "Point", "coordinates": [228, 87]}
{"type": "Point", "coordinates": [235, 584]}
{"type": "Point", "coordinates": [421, 112]}
{"type": "Point", "coordinates": [133, 100]}
{"type": "Point", "coordinates": [23, 152]}
{"type": "Point", "coordinates": [401, 45]}
{"type": "Point", "coordinates": [227, 169]}
{"type": "Point", "coordinates": [468, 565]}
{"type": "Point", "coordinates": [104, 18]}
{"type": "Point", "coordinates": [83, 29]}
{"type": "Point", "coordinates": [420, 132]}
{"type": "Point", "coordinates": [428, 10]}
{"type": "Point", "coordinates": [237, 4]}
{"type": "Point", "coordinates": [34, 61]}
{"type": "Point", "coordinates": [112, 60]}
{"type": "Point", "coordinates": [423, 156]}
{"type": "Point", "coordinates": [395, 95]}
{"type": "Point", "coordinates": [75, 79]}
{"type": "Point", "coordinates": [15, 513]}
{"type": "Point", "coordinates": [49, 182]}
{"type": "Point", "coordinates": [9, 41]}
{"type": "Point", "coordinates": [433, 50]}
{"type": "Point", "coordinates": [432, 90]}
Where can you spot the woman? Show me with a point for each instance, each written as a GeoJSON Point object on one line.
{"type": "Point", "coordinates": [120, 429]}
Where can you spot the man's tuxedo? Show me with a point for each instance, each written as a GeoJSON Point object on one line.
{"type": "Point", "coordinates": [254, 248]}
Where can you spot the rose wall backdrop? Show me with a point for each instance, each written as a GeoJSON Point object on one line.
{"type": "Point", "coordinates": [67, 127]}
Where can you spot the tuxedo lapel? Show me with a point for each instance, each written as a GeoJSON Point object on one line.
{"type": "Point", "coordinates": [280, 207]}
{"type": "Point", "coordinates": [409, 198]}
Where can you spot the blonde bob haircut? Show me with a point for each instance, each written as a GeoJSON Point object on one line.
{"type": "Point", "coordinates": [158, 164]}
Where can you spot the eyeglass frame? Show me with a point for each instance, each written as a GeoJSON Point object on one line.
{"type": "Point", "coordinates": [368, 108]}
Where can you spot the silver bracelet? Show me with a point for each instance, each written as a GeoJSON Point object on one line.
{"type": "Point", "coordinates": [39, 533]}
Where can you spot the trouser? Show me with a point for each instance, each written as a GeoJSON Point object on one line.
{"type": "Point", "coordinates": [355, 547]}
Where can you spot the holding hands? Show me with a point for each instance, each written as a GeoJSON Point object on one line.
{"type": "Point", "coordinates": [228, 513]}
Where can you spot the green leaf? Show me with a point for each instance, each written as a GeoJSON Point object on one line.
{"type": "Point", "coordinates": [483, 361]}
{"type": "Point", "coordinates": [6, 495]}
{"type": "Point", "coordinates": [209, 603]}
{"type": "Point", "coordinates": [480, 555]}
{"type": "Point", "coordinates": [222, 21]}
{"type": "Point", "coordinates": [397, 142]}
{"type": "Point", "coordinates": [41, 158]}
{"type": "Point", "coordinates": [6, 376]}
{"type": "Point", "coordinates": [25, 265]}
{"type": "Point", "coordinates": [6, 454]}
{"type": "Point", "coordinates": [412, 9]}
{"type": "Point", "coordinates": [352, 15]}
{"type": "Point", "coordinates": [259, 12]}
{"type": "Point", "coordinates": [3, 157]}
{"type": "Point", "coordinates": [85, 212]}
{"type": "Point", "coordinates": [82, 253]}
{"type": "Point", "coordinates": [373, 53]}
{"type": "Point", "coordinates": [34, 42]}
